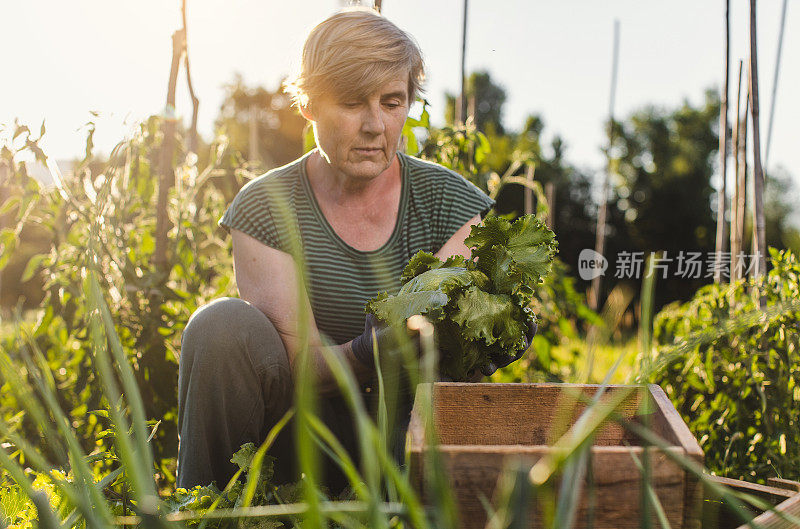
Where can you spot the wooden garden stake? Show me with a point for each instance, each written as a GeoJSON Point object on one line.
{"type": "Point", "coordinates": [253, 122]}
{"type": "Point", "coordinates": [736, 236]}
{"type": "Point", "coordinates": [195, 101]}
{"type": "Point", "coordinates": [461, 103]}
{"type": "Point", "coordinates": [723, 154]}
{"type": "Point", "coordinates": [600, 232]}
{"type": "Point", "coordinates": [550, 194]}
{"type": "Point", "coordinates": [759, 242]}
{"type": "Point", "coordinates": [166, 170]}
{"type": "Point", "coordinates": [775, 86]}
{"type": "Point", "coordinates": [528, 189]}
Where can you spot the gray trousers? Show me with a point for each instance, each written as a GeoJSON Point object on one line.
{"type": "Point", "coordinates": [234, 384]}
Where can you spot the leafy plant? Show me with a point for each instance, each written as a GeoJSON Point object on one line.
{"type": "Point", "coordinates": [204, 499]}
{"type": "Point", "coordinates": [151, 303]}
{"type": "Point", "coordinates": [740, 392]}
{"type": "Point", "coordinates": [480, 307]}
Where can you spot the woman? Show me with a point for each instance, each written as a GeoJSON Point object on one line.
{"type": "Point", "coordinates": [354, 210]}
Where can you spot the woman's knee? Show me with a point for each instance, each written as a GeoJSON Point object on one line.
{"type": "Point", "coordinates": [229, 330]}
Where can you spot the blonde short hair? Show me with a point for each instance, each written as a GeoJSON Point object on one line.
{"type": "Point", "coordinates": [351, 54]}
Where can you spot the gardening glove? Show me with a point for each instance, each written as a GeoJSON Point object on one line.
{"type": "Point", "coordinates": [498, 363]}
{"type": "Point", "coordinates": [362, 344]}
{"type": "Point", "coordinates": [387, 341]}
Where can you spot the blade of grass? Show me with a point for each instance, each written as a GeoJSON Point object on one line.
{"type": "Point", "coordinates": [383, 419]}
{"type": "Point", "coordinates": [341, 457]}
{"type": "Point", "coordinates": [254, 474]}
{"type": "Point", "coordinates": [45, 518]}
{"type": "Point", "coordinates": [304, 374]}
{"type": "Point", "coordinates": [133, 458]}
{"type": "Point", "coordinates": [515, 494]}
{"type": "Point", "coordinates": [572, 482]}
{"type": "Point", "coordinates": [590, 421]}
{"type": "Point", "coordinates": [77, 462]}
{"type": "Point", "coordinates": [645, 344]}
{"type": "Point", "coordinates": [695, 469]}
{"type": "Point", "coordinates": [651, 496]}
{"type": "Point", "coordinates": [139, 461]}
{"type": "Point", "coordinates": [277, 511]}
{"type": "Point", "coordinates": [349, 389]}
{"type": "Point", "coordinates": [369, 435]}
{"type": "Point", "coordinates": [77, 495]}
{"type": "Point", "coordinates": [437, 486]}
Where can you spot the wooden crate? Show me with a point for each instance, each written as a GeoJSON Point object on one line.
{"type": "Point", "coordinates": [720, 515]}
{"type": "Point", "coordinates": [483, 427]}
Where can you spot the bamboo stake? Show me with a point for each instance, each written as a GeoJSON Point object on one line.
{"type": "Point", "coordinates": [759, 241]}
{"type": "Point", "coordinates": [741, 207]}
{"type": "Point", "coordinates": [471, 107]}
{"type": "Point", "coordinates": [550, 194]}
{"type": "Point", "coordinates": [253, 140]}
{"type": "Point", "coordinates": [600, 232]}
{"type": "Point", "coordinates": [736, 237]}
{"type": "Point", "coordinates": [722, 206]}
{"type": "Point", "coordinates": [461, 103]}
{"type": "Point", "coordinates": [195, 101]}
{"type": "Point", "coordinates": [775, 86]}
{"type": "Point", "coordinates": [528, 189]}
{"type": "Point", "coordinates": [166, 169]}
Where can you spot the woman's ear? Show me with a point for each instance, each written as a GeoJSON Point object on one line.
{"type": "Point", "coordinates": [305, 111]}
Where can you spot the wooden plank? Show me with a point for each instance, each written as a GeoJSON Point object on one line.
{"type": "Point", "coordinates": [787, 484]}
{"type": "Point", "coordinates": [475, 473]}
{"type": "Point", "coordinates": [502, 414]}
{"type": "Point", "coordinates": [771, 494]}
{"type": "Point", "coordinates": [676, 430]}
{"type": "Point", "coordinates": [774, 520]}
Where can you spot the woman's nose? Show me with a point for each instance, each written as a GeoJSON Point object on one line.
{"type": "Point", "coordinates": [372, 121]}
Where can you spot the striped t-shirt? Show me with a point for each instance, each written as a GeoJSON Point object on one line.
{"type": "Point", "coordinates": [434, 203]}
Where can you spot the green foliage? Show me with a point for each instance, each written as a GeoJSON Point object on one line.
{"type": "Point", "coordinates": [151, 302]}
{"type": "Point", "coordinates": [203, 499]}
{"type": "Point", "coordinates": [740, 393]}
{"type": "Point", "coordinates": [462, 149]}
{"type": "Point", "coordinates": [662, 162]}
{"type": "Point", "coordinates": [479, 307]}
{"type": "Point", "coordinates": [416, 125]}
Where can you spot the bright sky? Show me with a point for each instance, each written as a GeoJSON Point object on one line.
{"type": "Point", "coordinates": [64, 59]}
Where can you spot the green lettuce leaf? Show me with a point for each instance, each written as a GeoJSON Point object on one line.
{"type": "Point", "coordinates": [515, 256]}
{"type": "Point", "coordinates": [443, 279]}
{"type": "Point", "coordinates": [425, 294]}
{"type": "Point", "coordinates": [489, 318]}
{"type": "Point", "coordinates": [419, 264]}
{"type": "Point", "coordinates": [395, 310]}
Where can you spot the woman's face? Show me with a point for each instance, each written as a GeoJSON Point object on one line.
{"type": "Point", "coordinates": [358, 138]}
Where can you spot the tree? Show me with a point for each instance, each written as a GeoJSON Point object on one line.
{"type": "Point", "coordinates": [278, 126]}
{"type": "Point", "coordinates": [663, 160]}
